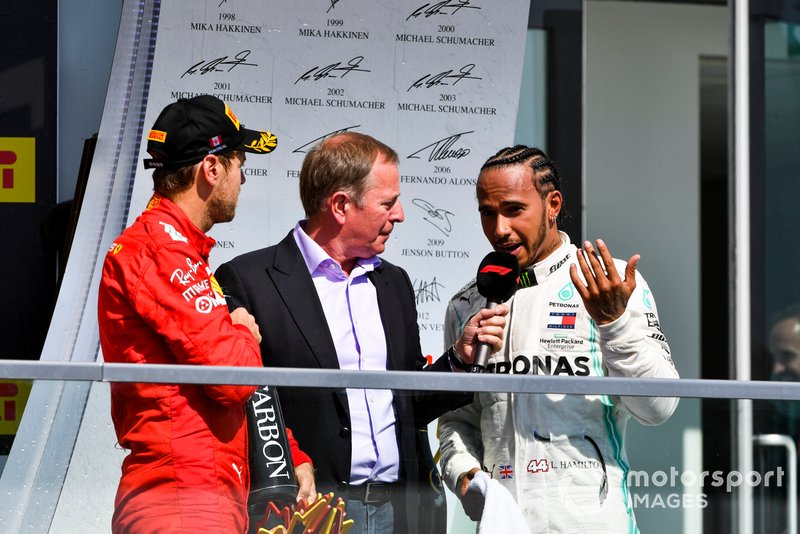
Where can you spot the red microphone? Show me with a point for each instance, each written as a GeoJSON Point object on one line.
{"type": "Point", "coordinates": [497, 281]}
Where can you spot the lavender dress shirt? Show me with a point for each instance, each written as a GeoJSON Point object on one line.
{"type": "Point", "coordinates": [351, 310]}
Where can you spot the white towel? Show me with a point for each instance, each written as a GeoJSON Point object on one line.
{"type": "Point", "coordinates": [500, 511]}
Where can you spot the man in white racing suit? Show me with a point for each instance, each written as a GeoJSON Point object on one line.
{"type": "Point", "coordinates": [577, 312]}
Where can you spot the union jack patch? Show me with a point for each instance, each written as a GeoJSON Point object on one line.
{"type": "Point", "coordinates": [506, 471]}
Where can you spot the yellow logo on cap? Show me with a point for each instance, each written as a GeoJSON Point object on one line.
{"type": "Point", "coordinates": [265, 144]}
{"type": "Point", "coordinates": [157, 135]}
{"type": "Point", "coordinates": [231, 116]}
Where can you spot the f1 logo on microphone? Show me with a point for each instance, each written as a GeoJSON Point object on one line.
{"type": "Point", "coordinates": [499, 269]}
{"type": "Point", "coordinates": [18, 169]}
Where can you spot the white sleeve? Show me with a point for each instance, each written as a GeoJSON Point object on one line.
{"type": "Point", "coordinates": [460, 442]}
{"type": "Point", "coordinates": [634, 346]}
{"type": "Point", "coordinates": [458, 313]}
{"type": "Point", "coordinates": [451, 327]}
{"type": "Point", "coordinates": [459, 431]}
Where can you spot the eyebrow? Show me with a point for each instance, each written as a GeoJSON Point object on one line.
{"type": "Point", "coordinates": [505, 204]}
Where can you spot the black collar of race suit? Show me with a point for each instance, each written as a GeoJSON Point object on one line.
{"type": "Point", "coordinates": [527, 278]}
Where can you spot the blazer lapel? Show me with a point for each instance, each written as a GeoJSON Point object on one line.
{"type": "Point", "coordinates": [293, 282]}
{"type": "Point", "coordinates": [391, 316]}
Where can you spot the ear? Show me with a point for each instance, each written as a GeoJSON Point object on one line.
{"type": "Point", "coordinates": [339, 204]}
{"type": "Point", "coordinates": [553, 203]}
{"type": "Point", "coordinates": [210, 170]}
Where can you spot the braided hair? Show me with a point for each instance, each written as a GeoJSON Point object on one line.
{"type": "Point", "coordinates": [544, 169]}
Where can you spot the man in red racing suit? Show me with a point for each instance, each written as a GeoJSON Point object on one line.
{"type": "Point", "coordinates": [159, 303]}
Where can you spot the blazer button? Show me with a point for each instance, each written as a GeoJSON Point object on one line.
{"type": "Point", "coordinates": [344, 432]}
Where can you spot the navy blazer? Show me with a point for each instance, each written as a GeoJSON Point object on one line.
{"type": "Point", "coordinates": [274, 285]}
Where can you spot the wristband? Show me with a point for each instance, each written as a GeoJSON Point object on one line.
{"type": "Point", "coordinates": [455, 361]}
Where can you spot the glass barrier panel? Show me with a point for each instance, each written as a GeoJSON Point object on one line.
{"type": "Point", "coordinates": [580, 462]}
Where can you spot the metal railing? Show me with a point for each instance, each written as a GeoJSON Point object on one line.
{"type": "Point", "coordinates": [399, 380]}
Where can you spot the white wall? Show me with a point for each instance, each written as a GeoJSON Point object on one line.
{"type": "Point", "coordinates": [532, 114]}
{"type": "Point", "coordinates": [87, 34]}
{"type": "Point", "coordinates": [642, 189]}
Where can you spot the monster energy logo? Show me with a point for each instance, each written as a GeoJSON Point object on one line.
{"type": "Point", "coordinates": [527, 278]}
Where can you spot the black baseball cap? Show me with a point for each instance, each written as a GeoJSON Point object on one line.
{"type": "Point", "coordinates": [188, 130]}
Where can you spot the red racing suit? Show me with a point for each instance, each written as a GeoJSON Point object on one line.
{"type": "Point", "coordinates": [159, 303]}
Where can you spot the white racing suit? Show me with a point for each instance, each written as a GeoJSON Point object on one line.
{"type": "Point", "coordinates": [562, 457]}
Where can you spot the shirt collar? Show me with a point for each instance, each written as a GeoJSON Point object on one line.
{"type": "Point", "coordinates": [557, 259]}
{"type": "Point", "coordinates": [318, 261]}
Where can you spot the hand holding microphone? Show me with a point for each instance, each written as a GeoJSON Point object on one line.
{"type": "Point", "coordinates": [483, 334]}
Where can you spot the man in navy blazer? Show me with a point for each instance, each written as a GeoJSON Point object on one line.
{"type": "Point", "coordinates": [323, 298]}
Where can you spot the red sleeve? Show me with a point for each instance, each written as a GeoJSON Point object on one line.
{"type": "Point", "coordinates": [180, 299]}
{"type": "Point", "coordinates": [298, 456]}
